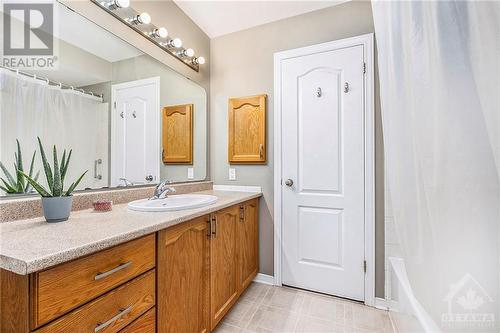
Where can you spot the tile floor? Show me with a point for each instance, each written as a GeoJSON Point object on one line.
{"type": "Point", "coordinates": [264, 308]}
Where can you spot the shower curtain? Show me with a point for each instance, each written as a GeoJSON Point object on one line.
{"type": "Point", "coordinates": [440, 97]}
{"type": "Point", "coordinates": [62, 117]}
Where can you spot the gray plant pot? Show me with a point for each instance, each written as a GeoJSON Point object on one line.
{"type": "Point", "coordinates": [56, 209]}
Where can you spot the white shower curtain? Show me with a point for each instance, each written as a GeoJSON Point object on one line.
{"type": "Point", "coordinates": [65, 118]}
{"type": "Point", "coordinates": [440, 94]}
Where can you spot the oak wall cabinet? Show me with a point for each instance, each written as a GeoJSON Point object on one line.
{"type": "Point", "coordinates": [177, 136]}
{"type": "Point", "coordinates": [247, 130]}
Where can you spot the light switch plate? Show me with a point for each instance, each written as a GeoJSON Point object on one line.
{"type": "Point", "coordinates": [190, 173]}
{"type": "Point", "coordinates": [232, 174]}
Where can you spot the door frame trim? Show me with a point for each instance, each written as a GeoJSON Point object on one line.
{"type": "Point", "coordinates": [369, 160]}
{"type": "Point", "coordinates": [130, 84]}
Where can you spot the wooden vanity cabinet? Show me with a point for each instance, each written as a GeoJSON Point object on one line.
{"type": "Point", "coordinates": [181, 279]}
{"type": "Point", "coordinates": [204, 265]}
{"type": "Point", "coordinates": [224, 288]}
{"type": "Point", "coordinates": [184, 277]}
{"type": "Point", "coordinates": [248, 242]}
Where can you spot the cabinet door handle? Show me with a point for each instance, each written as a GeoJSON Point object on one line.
{"type": "Point", "coordinates": [214, 224]}
{"type": "Point", "coordinates": [209, 229]}
{"type": "Point", "coordinates": [102, 275]}
{"type": "Point", "coordinates": [261, 150]}
{"type": "Point", "coordinates": [242, 213]}
{"type": "Point", "coordinates": [121, 313]}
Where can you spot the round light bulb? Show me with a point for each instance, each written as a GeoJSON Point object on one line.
{"type": "Point", "coordinates": [122, 3]}
{"type": "Point", "coordinates": [189, 52]}
{"type": "Point", "coordinates": [200, 60]}
{"type": "Point", "coordinates": [177, 42]}
{"type": "Point", "coordinates": [144, 18]}
{"type": "Point", "coordinates": [160, 33]}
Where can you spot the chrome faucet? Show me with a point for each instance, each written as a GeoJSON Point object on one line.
{"type": "Point", "coordinates": [126, 182]}
{"type": "Point", "coordinates": [163, 188]}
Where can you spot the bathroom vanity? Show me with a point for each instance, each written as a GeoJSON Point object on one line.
{"type": "Point", "coordinates": [126, 271]}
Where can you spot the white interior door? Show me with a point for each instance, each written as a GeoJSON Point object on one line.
{"type": "Point", "coordinates": [135, 132]}
{"type": "Point", "coordinates": [323, 155]}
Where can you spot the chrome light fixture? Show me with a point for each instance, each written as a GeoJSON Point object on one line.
{"type": "Point", "coordinates": [141, 23]}
{"type": "Point", "coordinates": [198, 60]}
{"type": "Point", "coordinates": [159, 33]}
{"type": "Point", "coordinates": [142, 18]}
{"type": "Point", "coordinates": [173, 43]}
{"type": "Point", "coordinates": [187, 53]}
{"type": "Point", "coordinates": [115, 4]}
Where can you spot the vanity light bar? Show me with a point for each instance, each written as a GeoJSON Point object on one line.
{"type": "Point", "coordinates": [141, 23]}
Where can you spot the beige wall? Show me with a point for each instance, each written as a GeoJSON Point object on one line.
{"type": "Point", "coordinates": [242, 64]}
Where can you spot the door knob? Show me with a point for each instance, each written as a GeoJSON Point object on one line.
{"type": "Point", "coordinates": [289, 182]}
{"type": "Point", "coordinates": [149, 178]}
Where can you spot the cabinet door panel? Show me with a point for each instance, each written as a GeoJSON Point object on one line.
{"type": "Point", "coordinates": [224, 259]}
{"type": "Point", "coordinates": [248, 241]}
{"type": "Point", "coordinates": [183, 277]}
{"type": "Point", "coordinates": [247, 130]}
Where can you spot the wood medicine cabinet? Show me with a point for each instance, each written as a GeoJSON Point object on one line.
{"type": "Point", "coordinates": [177, 136]}
{"type": "Point", "coordinates": [247, 130]}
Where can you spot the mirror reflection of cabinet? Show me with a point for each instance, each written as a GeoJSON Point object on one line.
{"type": "Point", "coordinates": [247, 130]}
{"type": "Point", "coordinates": [178, 134]}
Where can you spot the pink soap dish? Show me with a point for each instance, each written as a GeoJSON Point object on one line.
{"type": "Point", "coordinates": [103, 205]}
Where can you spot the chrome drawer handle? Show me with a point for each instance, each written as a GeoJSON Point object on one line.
{"type": "Point", "coordinates": [121, 313]}
{"type": "Point", "coordinates": [114, 270]}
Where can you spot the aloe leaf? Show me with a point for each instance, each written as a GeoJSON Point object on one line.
{"type": "Point", "coordinates": [63, 162]}
{"type": "Point", "coordinates": [28, 187]}
{"type": "Point", "coordinates": [8, 186]}
{"type": "Point", "coordinates": [32, 164]}
{"type": "Point", "coordinates": [19, 157]}
{"type": "Point", "coordinates": [5, 189]}
{"type": "Point", "coordinates": [75, 184]}
{"type": "Point", "coordinates": [66, 163]}
{"type": "Point", "coordinates": [39, 188]}
{"type": "Point", "coordinates": [8, 175]}
{"type": "Point", "coordinates": [46, 166]}
{"type": "Point", "coordinates": [57, 187]}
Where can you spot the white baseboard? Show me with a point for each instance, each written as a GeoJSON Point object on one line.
{"type": "Point", "coordinates": [237, 188]}
{"type": "Point", "coordinates": [381, 303]}
{"type": "Point", "coordinates": [264, 278]}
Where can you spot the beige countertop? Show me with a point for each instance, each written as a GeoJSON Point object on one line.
{"type": "Point", "coordinates": [28, 246]}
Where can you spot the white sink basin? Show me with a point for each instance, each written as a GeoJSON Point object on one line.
{"type": "Point", "coordinates": [173, 202]}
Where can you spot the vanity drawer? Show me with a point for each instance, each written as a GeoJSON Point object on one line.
{"type": "Point", "coordinates": [144, 324]}
{"type": "Point", "coordinates": [60, 289]}
{"type": "Point", "coordinates": [110, 312]}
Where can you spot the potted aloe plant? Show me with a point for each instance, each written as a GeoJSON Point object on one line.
{"type": "Point", "coordinates": [56, 202]}
{"type": "Point", "coordinates": [16, 185]}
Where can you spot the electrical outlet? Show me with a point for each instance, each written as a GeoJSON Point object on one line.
{"type": "Point", "coordinates": [190, 173]}
{"type": "Point", "coordinates": [232, 174]}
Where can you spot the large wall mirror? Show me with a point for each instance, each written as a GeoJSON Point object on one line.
{"type": "Point", "coordinates": [128, 118]}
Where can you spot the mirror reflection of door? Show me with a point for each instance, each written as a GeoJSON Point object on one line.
{"type": "Point", "coordinates": [177, 134]}
{"type": "Point", "coordinates": [134, 132]}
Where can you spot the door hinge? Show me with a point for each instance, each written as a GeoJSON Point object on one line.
{"type": "Point", "coordinates": [364, 68]}
{"type": "Point", "coordinates": [114, 105]}
{"type": "Point", "coordinates": [364, 266]}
